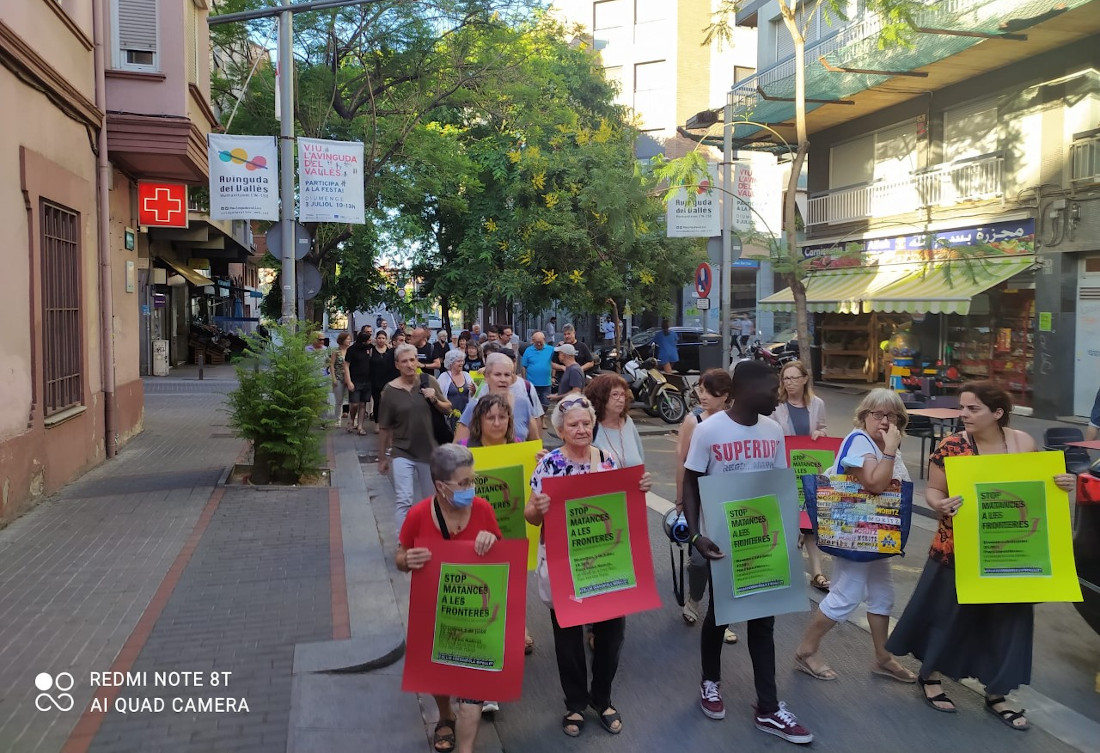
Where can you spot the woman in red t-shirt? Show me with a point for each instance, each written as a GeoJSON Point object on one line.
{"type": "Point", "coordinates": [455, 514]}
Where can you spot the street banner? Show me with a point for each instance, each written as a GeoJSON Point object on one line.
{"type": "Point", "coordinates": [810, 457]}
{"type": "Point", "coordinates": [466, 617]}
{"type": "Point", "coordinates": [753, 518]}
{"type": "Point", "coordinates": [855, 524]}
{"type": "Point", "coordinates": [700, 216]}
{"type": "Point", "coordinates": [330, 181]}
{"type": "Point", "coordinates": [501, 475]}
{"type": "Point", "coordinates": [244, 177]}
{"type": "Point", "coordinates": [1013, 536]}
{"type": "Point", "coordinates": [758, 196]}
{"type": "Point", "coordinates": [597, 546]}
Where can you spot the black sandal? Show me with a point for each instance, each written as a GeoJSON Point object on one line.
{"type": "Point", "coordinates": [607, 719]}
{"type": "Point", "coordinates": [567, 721]}
{"type": "Point", "coordinates": [1007, 716]}
{"type": "Point", "coordinates": [933, 700]}
{"type": "Point", "coordinates": [440, 739]}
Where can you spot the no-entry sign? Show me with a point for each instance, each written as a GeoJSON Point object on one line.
{"type": "Point", "coordinates": [702, 280]}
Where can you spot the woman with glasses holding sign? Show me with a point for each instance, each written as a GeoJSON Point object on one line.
{"type": "Point", "coordinates": [801, 413]}
{"type": "Point", "coordinates": [871, 454]}
{"type": "Point", "coordinates": [573, 419]}
{"type": "Point", "coordinates": [990, 642]}
{"type": "Point", "coordinates": [452, 513]}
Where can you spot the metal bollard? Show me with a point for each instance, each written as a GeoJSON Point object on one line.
{"type": "Point", "coordinates": [202, 363]}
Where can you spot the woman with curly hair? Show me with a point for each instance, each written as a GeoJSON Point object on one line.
{"type": "Point", "coordinates": [616, 434]}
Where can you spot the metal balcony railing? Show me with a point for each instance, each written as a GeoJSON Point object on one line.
{"type": "Point", "coordinates": [945, 185]}
{"type": "Point", "coordinates": [1085, 160]}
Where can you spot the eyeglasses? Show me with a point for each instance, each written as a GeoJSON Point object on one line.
{"type": "Point", "coordinates": [567, 404]}
{"type": "Point", "coordinates": [460, 485]}
{"type": "Point", "coordinates": [879, 415]}
{"type": "Point", "coordinates": [618, 394]}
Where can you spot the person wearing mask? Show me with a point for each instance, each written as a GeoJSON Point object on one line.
{"type": "Point", "coordinates": [405, 423]}
{"type": "Point", "coordinates": [665, 342]}
{"type": "Point", "coordinates": [713, 389]}
{"type": "Point", "coordinates": [358, 378]}
{"type": "Point", "coordinates": [500, 375]}
{"type": "Point", "coordinates": [572, 377]}
{"type": "Point", "coordinates": [573, 420]}
{"type": "Point", "coordinates": [871, 454]}
{"type": "Point", "coordinates": [452, 513]}
{"type": "Point", "coordinates": [456, 383]}
{"type": "Point", "coordinates": [581, 352]}
{"type": "Point", "coordinates": [336, 371]}
{"type": "Point", "coordinates": [801, 413]}
{"type": "Point", "coordinates": [536, 362]}
{"type": "Point", "coordinates": [989, 642]}
{"type": "Point", "coordinates": [744, 424]}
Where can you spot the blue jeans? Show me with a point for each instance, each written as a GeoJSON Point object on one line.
{"type": "Point", "coordinates": [544, 395]}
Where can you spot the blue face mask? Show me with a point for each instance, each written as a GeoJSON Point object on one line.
{"type": "Point", "coordinates": [463, 497]}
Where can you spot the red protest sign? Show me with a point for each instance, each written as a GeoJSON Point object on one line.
{"type": "Point", "coordinates": [597, 546]}
{"type": "Point", "coordinates": [466, 616]}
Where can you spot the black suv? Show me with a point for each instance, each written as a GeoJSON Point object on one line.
{"type": "Point", "coordinates": [691, 339]}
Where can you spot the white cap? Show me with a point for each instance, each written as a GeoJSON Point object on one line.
{"type": "Point", "coordinates": [566, 350]}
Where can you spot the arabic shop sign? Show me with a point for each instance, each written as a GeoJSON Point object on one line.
{"type": "Point", "coordinates": [1008, 238]}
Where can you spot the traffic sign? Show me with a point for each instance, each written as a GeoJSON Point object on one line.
{"type": "Point", "coordinates": [703, 304]}
{"type": "Point", "coordinates": [274, 238]}
{"type": "Point", "coordinates": [702, 280]}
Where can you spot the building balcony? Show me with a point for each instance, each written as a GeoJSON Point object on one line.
{"type": "Point", "coordinates": [1085, 159]}
{"type": "Point", "coordinates": [848, 68]}
{"type": "Point", "coordinates": [979, 179]}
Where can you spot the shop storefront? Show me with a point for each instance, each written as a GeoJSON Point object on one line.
{"type": "Point", "coordinates": [957, 305]}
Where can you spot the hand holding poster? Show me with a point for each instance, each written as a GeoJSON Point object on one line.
{"type": "Point", "coordinates": [466, 616]}
{"type": "Point", "coordinates": [501, 475]}
{"type": "Point", "coordinates": [756, 527]}
{"type": "Point", "coordinates": [597, 546]}
{"type": "Point", "coordinates": [811, 457]}
{"type": "Point", "coordinates": [855, 524]}
{"type": "Point", "coordinates": [1013, 537]}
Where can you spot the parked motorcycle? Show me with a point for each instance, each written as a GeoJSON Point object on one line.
{"type": "Point", "coordinates": [651, 387]}
{"type": "Point", "coordinates": [777, 357]}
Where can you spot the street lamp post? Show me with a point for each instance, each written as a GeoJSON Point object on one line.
{"type": "Point", "coordinates": [727, 223]}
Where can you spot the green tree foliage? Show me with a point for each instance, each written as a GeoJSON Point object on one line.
{"type": "Point", "coordinates": [277, 406]}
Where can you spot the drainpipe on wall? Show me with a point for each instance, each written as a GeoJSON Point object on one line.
{"type": "Point", "coordinates": [103, 196]}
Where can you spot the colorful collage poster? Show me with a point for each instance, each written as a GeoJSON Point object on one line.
{"type": "Point", "coordinates": [1013, 534]}
{"type": "Point", "coordinates": [753, 518]}
{"type": "Point", "coordinates": [466, 617]}
{"type": "Point", "coordinates": [501, 476]}
{"type": "Point", "coordinates": [597, 546]}
{"type": "Point", "coordinates": [855, 524]}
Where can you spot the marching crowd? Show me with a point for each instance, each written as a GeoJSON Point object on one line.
{"type": "Point", "coordinates": [432, 400]}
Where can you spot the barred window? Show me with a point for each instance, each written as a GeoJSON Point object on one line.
{"type": "Point", "coordinates": [62, 334]}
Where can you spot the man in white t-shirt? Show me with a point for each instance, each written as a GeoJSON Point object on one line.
{"type": "Point", "coordinates": [740, 440]}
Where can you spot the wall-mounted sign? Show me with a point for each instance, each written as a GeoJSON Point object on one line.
{"type": "Point", "coordinates": [1002, 238]}
{"type": "Point", "coordinates": [699, 217]}
{"type": "Point", "coordinates": [129, 238]}
{"type": "Point", "coordinates": [244, 181]}
{"type": "Point", "coordinates": [162, 204]}
{"type": "Point", "coordinates": [131, 276]}
{"type": "Point", "coordinates": [160, 300]}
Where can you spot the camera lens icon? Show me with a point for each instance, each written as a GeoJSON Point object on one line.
{"type": "Point", "coordinates": [62, 683]}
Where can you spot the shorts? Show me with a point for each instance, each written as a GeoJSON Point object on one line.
{"type": "Point", "coordinates": [361, 394]}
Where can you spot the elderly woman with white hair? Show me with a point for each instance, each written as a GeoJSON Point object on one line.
{"type": "Point", "coordinates": [456, 383]}
{"type": "Point", "coordinates": [573, 419]}
{"type": "Point", "coordinates": [500, 374]}
{"type": "Point", "coordinates": [452, 513]}
{"type": "Point", "coordinates": [870, 453]}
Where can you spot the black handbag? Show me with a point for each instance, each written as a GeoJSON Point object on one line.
{"type": "Point", "coordinates": [441, 429]}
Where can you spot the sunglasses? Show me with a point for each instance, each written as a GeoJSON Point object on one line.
{"type": "Point", "coordinates": [567, 404]}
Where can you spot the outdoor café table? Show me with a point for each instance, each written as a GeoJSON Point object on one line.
{"type": "Point", "coordinates": [944, 417]}
{"type": "Point", "coordinates": [1092, 444]}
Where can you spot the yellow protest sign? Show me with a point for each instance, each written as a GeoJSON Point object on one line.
{"type": "Point", "coordinates": [502, 475]}
{"type": "Point", "coordinates": [1013, 536]}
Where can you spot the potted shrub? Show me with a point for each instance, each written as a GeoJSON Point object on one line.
{"type": "Point", "coordinates": [281, 397]}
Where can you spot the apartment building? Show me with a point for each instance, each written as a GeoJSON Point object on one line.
{"type": "Point", "coordinates": [965, 167]}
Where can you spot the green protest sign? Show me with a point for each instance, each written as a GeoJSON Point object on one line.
{"type": "Point", "coordinates": [1012, 529]}
{"type": "Point", "coordinates": [600, 559]}
{"type": "Point", "coordinates": [758, 550]}
{"type": "Point", "coordinates": [470, 616]}
{"type": "Point", "coordinates": [503, 488]}
{"type": "Point", "coordinates": [810, 463]}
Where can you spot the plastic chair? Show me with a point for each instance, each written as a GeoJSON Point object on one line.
{"type": "Point", "coordinates": [1077, 458]}
{"type": "Point", "coordinates": [921, 427]}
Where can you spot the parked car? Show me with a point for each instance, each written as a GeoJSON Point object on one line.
{"type": "Point", "coordinates": [691, 340]}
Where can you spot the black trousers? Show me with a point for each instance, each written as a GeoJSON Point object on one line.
{"type": "Point", "coordinates": [573, 667]}
{"type": "Point", "coordinates": [761, 651]}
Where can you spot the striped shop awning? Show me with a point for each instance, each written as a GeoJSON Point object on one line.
{"type": "Point", "coordinates": [839, 290]}
{"type": "Point", "coordinates": [946, 287]}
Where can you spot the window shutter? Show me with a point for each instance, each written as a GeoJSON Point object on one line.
{"type": "Point", "coordinates": [137, 25]}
